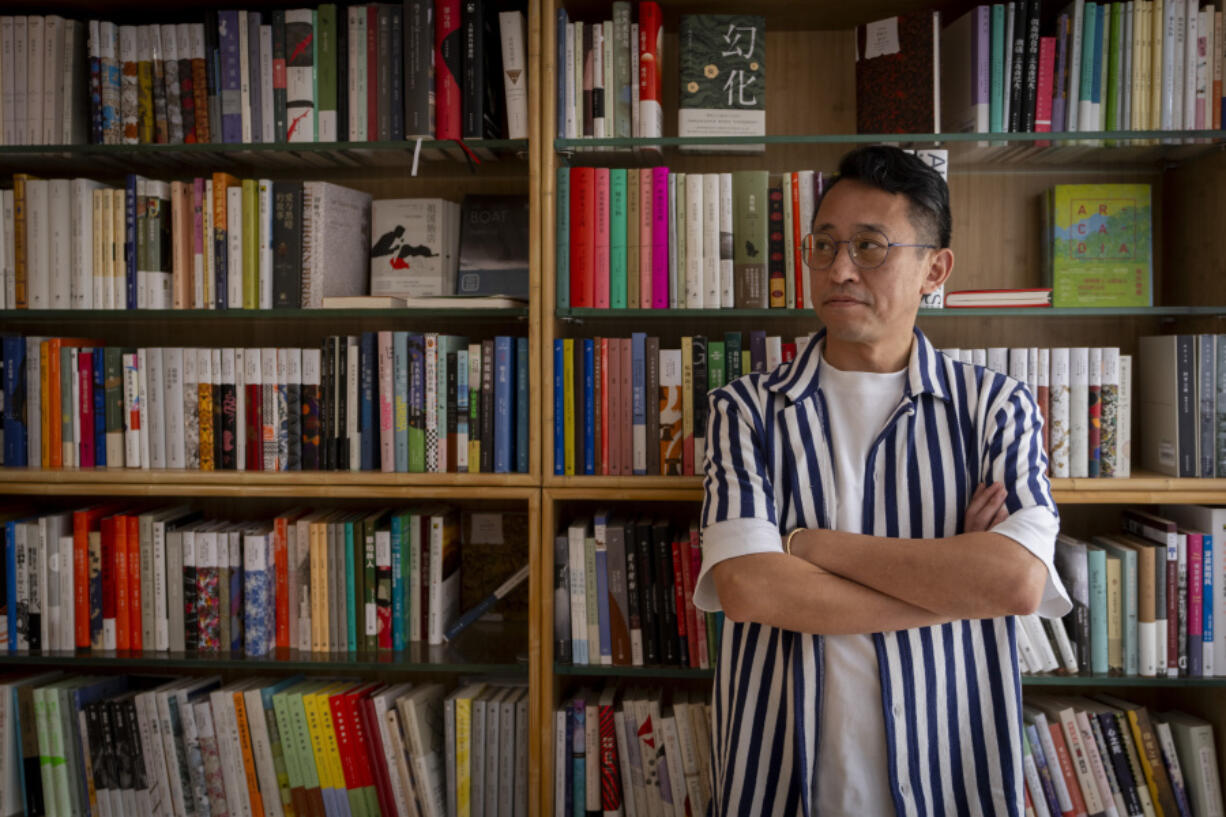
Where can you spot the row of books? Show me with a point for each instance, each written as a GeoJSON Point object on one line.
{"type": "Point", "coordinates": [651, 238]}
{"type": "Point", "coordinates": [156, 579]}
{"type": "Point", "coordinates": [624, 594]}
{"type": "Point", "coordinates": [361, 73]}
{"type": "Point", "coordinates": [1147, 601]}
{"type": "Point", "coordinates": [379, 401]}
{"type": "Point", "coordinates": [109, 746]}
{"type": "Point", "coordinates": [1183, 400]}
{"type": "Point", "coordinates": [1115, 66]}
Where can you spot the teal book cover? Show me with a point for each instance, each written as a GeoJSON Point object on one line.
{"type": "Point", "coordinates": [400, 364]}
{"type": "Point", "coordinates": [996, 105]}
{"type": "Point", "coordinates": [617, 238]}
{"type": "Point", "coordinates": [1097, 558]}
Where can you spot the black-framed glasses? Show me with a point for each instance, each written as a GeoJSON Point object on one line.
{"type": "Point", "coordinates": [868, 249]}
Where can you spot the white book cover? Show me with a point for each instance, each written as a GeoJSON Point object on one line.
{"type": "Point", "coordinates": [142, 376]}
{"type": "Point", "coordinates": [170, 72]}
{"type": "Point", "coordinates": [694, 241]}
{"type": "Point", "coordinates": [267, 123]}
{"type": "Point", "coordinates": [357, 73]}
{"type": "Point", "coordinates": [1059, 408]}
{"type": "Point", "coordinates": [192, 377]}
{"type": "Point", "coordinates": [226, 728]}
{"type": "Point", "coordinates": [156, 406]}
{"type": "Point", "coordinates": [143, 273]}
{"type": "Point", "coordinates": [998, 359]}
{"type": "Point", "coordinates": [1079, 411]}
{"type": "Point", "coordinates": [1123, 429]}
{"type": "Point", "coordinates": [38, 229]}
{"type": "Point", "coordinates": [300, 83]}
{"type": "Point", "coordinates": [606, 85]}
{"type": "Point", "coordinates": [1204, 40]}
{"type": "Point", "coordinates": [8, 130]}
{"type": "Point", "coordinates": [244, 76]}
{"type": "Point", "coordinates": [711, 281]}
{"type": "Point", "coordinates": [53, 61]}
{"type": "Point", "coordinates": [414, 250]}
{"type": "Point", "coordinates": [59, 223]}
{"type": "Point", "coordinates": [569, 68]}
{"type": "Point", "coordinates": [726, 286]}
{"type": "Point", "coordinates": [672, 756]}
{"type": "Point", "coordinates": [352, 392]}
{"type": "Point", "coordinates": [80, 246]}
{"type": "Point", "coordinates": [576, 65]}
{"type": "Point", "coordinates": [690, 751]}
{"type": "Point", "coordinates": [173, 404]}
{"type": "Point", "coordinates": [1018, 360]}
{"type": "Point", "coordinates": [1032, 370]}
{"type": "Point", "coordinates": [21, 79]}
{"type": "Point", "coordinates": [1190, 37]}
{"type": "Point", "coordinates": [514, 72]}
{"type": "Point", "coordinates": [234, 247]}
{"type": "Point", "coordinates": [265, 239]}
{"type": "Point", "coordinates": [261, 750]}
{"type": "Point", "coordinates": [1173, 64]}
{"type": "Point", "coordinates": [576, 534]}
{"type": "Point", "coordinates": [444, 591]}
{"type": "Point", "coordinates": [131, 410]}
{"type": "Point", "coordinates": [337, 231]}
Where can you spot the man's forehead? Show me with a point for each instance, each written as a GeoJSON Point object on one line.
{"type": "Point", "coordinates": [853, 205]}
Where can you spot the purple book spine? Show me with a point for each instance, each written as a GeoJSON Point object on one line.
{"type": "Point", "coordinates": [982, 56]}
{"type": "Point", "coordinates": [1061, 96]}
{"type": "Point", "coordinates": [659, 238]}
{"type": "Point", "coordinates": [231, 86]}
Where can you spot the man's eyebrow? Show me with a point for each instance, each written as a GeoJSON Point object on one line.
{"type": "Point", "coordinates": [827, 226]}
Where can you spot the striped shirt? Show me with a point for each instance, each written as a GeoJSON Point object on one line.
{"type": "Point", "coordinates": [951, 694]}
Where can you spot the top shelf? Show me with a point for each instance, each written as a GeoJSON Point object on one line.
{"type": "Point", "coordinates": [437, 158]}
{"type": "Point", "coordinates": [996, 152]}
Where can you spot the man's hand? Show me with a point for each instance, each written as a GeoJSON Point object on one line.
{"type": "Point", "coordinates": [986, 509]}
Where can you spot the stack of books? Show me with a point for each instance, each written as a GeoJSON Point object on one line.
{"type": "Point", "coordinates": [157, 745]}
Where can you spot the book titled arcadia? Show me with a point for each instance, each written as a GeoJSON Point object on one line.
{"type": "Point", "coordinates": [1098, 245]}
{"type": "Point", "coordinates": [723, 79]}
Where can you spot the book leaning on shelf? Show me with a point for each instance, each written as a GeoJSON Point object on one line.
{"type": "Point", "coordinates": [151, 579]}
{"type": "Point", "coordinates": [404, 402]}
{"type": "Point", "coordinates": [161, 745]}
{"type": "Point", "coordinates": [362, 73]}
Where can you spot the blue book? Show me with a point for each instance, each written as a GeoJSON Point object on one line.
{"type": "Point", "coordinates": [589, 407]}
{"type": "Point", "coordinates": [521, 405]}
{"type": "Point", "coordinates": [253, 58]}
{"type": "Point", "coordinates": [1044, 770]}
{"type": "Point", "coordinates": [259, 612]}
{"type": "Point", "coordinates": [398, 607]}
{"type": "Point", "coordinates": [99, 376]}
{"type": "Point", "coordinates": [559, 408]}
{"type": "Point", "coordinates": [638, 397]}
{"type": "Point", "coordinates": [417, 403]}
{"type": "Point", "coordinates": [578, 750]}
{"type": "Point", "coordinates": [351, 600]}
{"type": "Point", "coordinates": [1097, 558]}
{"type": "Point", "coordinates": [563, 78]}
{"type": "Point", "coordinates": [368, 426]}
{"type": "Point", "coordinates": [129, 246]}
{"type": "Point", "coordinates": [14, 405]}
{"type": "Point", "coordinates": [230, 90]}
{"type": "Point", "coordinates": [601, 523]}
{"type": "Point", "coordinates": [503, 398]}
{"type": "Point", "coordinates": [400, 407]}
{"type": "Point", "coordinates": [1207, 615]}
{"type": "Point", "coordinates": [562, 254]}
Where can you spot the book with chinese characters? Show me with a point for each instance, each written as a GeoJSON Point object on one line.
{"type": "Point", "coordinates": [1098, 245]}
{"type": "Point", "coordinates": [723, 79]}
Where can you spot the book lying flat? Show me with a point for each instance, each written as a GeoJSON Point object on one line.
{"type": "Point", "coordinates": [439, 301]}
{"type": "Point", "coordinates": [998, 298]}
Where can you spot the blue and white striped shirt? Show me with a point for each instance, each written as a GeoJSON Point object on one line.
{"type": "Point", "coordinates": [951, 694]}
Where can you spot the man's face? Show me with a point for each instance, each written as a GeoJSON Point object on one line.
{"type": "Point", "coordinates": [869, 306]}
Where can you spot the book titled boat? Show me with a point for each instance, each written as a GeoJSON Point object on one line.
{"type": "Point", "coordinates": [998, 298]}
{"type": "Point", "coordinates": [723, 79]}
{"type": "Point", "coordinates": [494, 246]}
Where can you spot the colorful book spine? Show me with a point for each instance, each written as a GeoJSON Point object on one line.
{"type": "Point", "coordinates": [659, 237]}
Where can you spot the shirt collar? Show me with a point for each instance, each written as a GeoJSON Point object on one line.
{"type": "Point", "coordinates": [800, 378]}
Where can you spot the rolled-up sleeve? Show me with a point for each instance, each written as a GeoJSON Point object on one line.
{"type": "Point", "coordinates": [738, 511]}
{"type": "Point", "coordinates": [1015, 458]}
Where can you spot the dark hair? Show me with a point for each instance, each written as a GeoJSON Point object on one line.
{"type": "Point", "coordinates": [895, 171]}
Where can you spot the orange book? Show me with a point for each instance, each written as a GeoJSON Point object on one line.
{"type": "Point", "coordinates": [280, 558]}
{"type": "Point", "coordinates": [244, 742]}
{"type": "Point", "coordinates": [122, 635]}
{"type": "Point", "coordinates": [83, 522]}
{"type": "Point", "coordinates": [798, 232]}
{"type": "Point", "coordinates": [135, 639]}
{"type": "Point", "coordinates": [19, 237]}
{"type": "Point", "coordinates": [182, 278]}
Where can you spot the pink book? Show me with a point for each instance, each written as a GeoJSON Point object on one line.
{"type": "Point", "coordinates": [700, 618]}
{"type": "Point", "coordinates": [624, 429]}
{"type": "Point", "coordinates": [645, 238]}
{"type": "Point", "coordinates": [659, 238]}
{"type": "Point", "coordinates": [198, 243]}
{"type": "Point", "coordinates": [600, 268]}
{"type": "Point", "coordinates": [604, 406]}
{"type": "Point", "coordinates": [1047, 70]}
{"type": "Point", "coordinates": [1196, 605]}
{"type": "Point", "coordinates": [387, 428]}
{"type": "Point", "coordinates": [85, 377]}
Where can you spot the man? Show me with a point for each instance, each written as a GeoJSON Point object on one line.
{"type": "Point", "coordinates": [875, 514]}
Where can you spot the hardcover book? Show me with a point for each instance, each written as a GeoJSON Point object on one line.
{"type": "Point", "coordinates": [1098, 245]}
{"type": "Point", "coordinates": [723, 79]}
{"type": "Point", "coordinates": [494, 246]}
{"type": "Point", "coordinates": [414, 247]}
{"type": "Point", "coordinates": [897, 74]}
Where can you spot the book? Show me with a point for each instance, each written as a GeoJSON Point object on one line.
{"type": "Point", "coordinates": [723, 79]}
{"type": "Point", "coordinates": [898, 74]}
{"type": "Point", "coordinates": [415, 247]}
{"type": "Point", "coordinates": [493, 246]}
{"type": "Point", "coordinates": [1004, 298]}
{"type": "Point", "coordinates": [1097, 245]}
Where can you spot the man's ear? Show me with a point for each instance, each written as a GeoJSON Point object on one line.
{"type": "Point", "coordinates": [939, 268]}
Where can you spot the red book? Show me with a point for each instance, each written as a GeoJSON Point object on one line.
{"type": "Point", "coordinates": [122, 599]}
{"type": "Point", "coordinates": [448, 68]}
{"type": "Point", "coordinates": [338, 709]}
{"type": "Point", "coordinates": [582, 237]}
{"type": "Point", "coordinates": [83, 522]}
{"type": "Point", "coordinates": [372, 71]}
{"type": "Point", "coordinates": [704, 649]}
{"type": "Point", "coordinates": [623, 428]}
{"type": "Point", "coordinates": [280, 559]}
{"type": "Point", "coordinates": [369, 724]}
{"type": "Point", "coordinates": [1047, 79]}
{"type": "Point", "coordinates": [651, 78]}
{"type": "Point", "coordinates": [85, 381]}
{"type": "Point", "coordinates": [600, 264]}
{"type": "Point", "coordinates": [679, 600]}
{"type": "Point", "coordinates": [646, 238]}
{"type": "Point", "coordinates": [360, 739]}
{"type": "Point", "coordinates": [110, 573]}
{"type": "Point", "coordinates": [798, 266]}
{"type": "Point", "coordinates": [610, 777]}
{"type": "Point", "coordinates": [1065, 762]}
{"type": "Point", "coordinates": [686, 612]}
{"type": "Point", "coordinates": [255, 422]}
{"type": "Point", "coordinates": [605, 419]}
{"type": "Point", "coordinates": [896, 74]}
{"type": "Point", "coordinates": [789, 352]}
{"type": "Point", "coordinates": [135, 639]}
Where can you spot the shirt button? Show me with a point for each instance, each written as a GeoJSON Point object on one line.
{"type": "Point", "coordinates": [904, 788]}
{"type": "Point", "coordinates": [898, 710]}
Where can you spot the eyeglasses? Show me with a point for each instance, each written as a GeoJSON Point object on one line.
{"type": "Point", "coordinates": [868, 249]}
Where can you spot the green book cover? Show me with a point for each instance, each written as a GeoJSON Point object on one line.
{"type": "Point", "coordinates": [296, 711]}
{"type": "Point", "coordinates": [449, 347]}
{"type": "Point", "coordinates": [751, 227]}
{"type": "Point", "coordinates": [353, 540]}
{"type": "Point", "coordinates": [325, 73]}
{"type": "Point", "coordinates": [562, 248]}
{"type": "Point", "coordinates": [370, 618]}
{"type": "Point", "coordinates": [732, 356]}
{"type": "Point", "coordinates": [996, 104]}
{"type": "Point", "coordinates": [1097, 561]}
{"type": "Point", "coordinates": [1101, 245]}
{"type": "Point", "coordinates": [251, 244]}
{"type": "Point", "coordinates": [289, 738]}
{"type": "Point", "coordinates": [1112, 63]}
{"type": "Point", "coordinates": [633, 238]}
{"type": "Point", "coordinates": [723, 78]}
{"type": "Point", "coordinates": [617, 238]}
{"type": "Point", "coordinates": [1128, 600]}
{"type": "Point", "coordinates": [746, 361]}
{"type": "Point", "coordinates": [67, 409]}
{"type": "Point", "coordinates": [716, 373]}
{"type": "Point", "coordinates": [1085, 94]}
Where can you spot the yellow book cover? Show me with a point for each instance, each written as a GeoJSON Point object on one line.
{"type": "Point", "coordinates": [1155, 67]}
{"type": "Point", "coordinates": [568, 397]}
{"type": "Point", "coordinates": [1098, 245]}
{"type": "Point", "coordinates": [1115, 617]}
{"type": "Point", "coordinates": [251, 244]}
{"type": "Point", "coordinates": [19, 238]}
{"type": "Point", "coordinates": [244, 743]}
{"type": "Point", "coordinates": [463, 747]}
{"type": "Point", "coordinates": [746, 362]}
{"type": "Point", "coordinates": [204, 407]}
{"type": "Point", "coordinates": [319, 748]}
{"type": "Point", "coordinates": [336, 769]}
{"type": "Point", "coordinates": [115, 267]}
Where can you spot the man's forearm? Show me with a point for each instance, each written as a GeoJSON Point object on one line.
{"type": "Point", "coordinates": [792, 594]}
{"type": "Point", "coordinates": [971, 575]}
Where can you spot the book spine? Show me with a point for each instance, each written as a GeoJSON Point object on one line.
{"type": "Point", "coordinates": [448, 69]}
{"type": "Point", "coordinates": [651, 35]}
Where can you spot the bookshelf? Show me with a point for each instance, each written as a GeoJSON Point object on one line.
{"type": "Point", "coordinates": [810, 123]}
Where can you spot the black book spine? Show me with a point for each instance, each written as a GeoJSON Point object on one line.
{"type": "Point", "coordinates": [472, 96]}
{"type": "Point", "coordinates": [1033, 19]}
{"type": "Point", "coordinates": [212, 73]}
{"type": "Point", "coordinates": [449, 441]}
{"type": "Point", "coordinates": [396, 74]}
{"type": "Point", "coordinates": [123, 750]}
{"type": "Point", "coordinates": [325, 408]}
{"type": "Point", "coordinates": [487, 406]}
{"type": "Point", "coordinates": [652, 399]}
{"type": "Point", "coordinates": [775, 267]}
{"type": "Point", "coordinates": [561, 600]}
{"type": "Point", "coordinates": [108, 746]}
{"type": "Point", "coordinates": [666, 621]}
{"type": "Point", "coordinates": [385, 72]}
{"type": "Point", "coordinates": [287, 245]}
{"type": "Point", "coordinates": [699, 365]}
{"type": "Point", "coordinates": [757, 351]}
{"type": "Point", "coordinates": [342, 75]}
{"type": "Point", "coordinates": [279, 127]}
{"type": "Point", "coordinates": [634, 620]}
{"type": "Point", "coordinates": [368, 425]}
{"type": "Point", "coordinates": [1119, 761]}
{"type": "Point", "coordinates": [418, 55]}
{"type": "Point", "coordinates": [140, 779]}
{"type": "Point", "coordinates": [1186, 362]}
{"type": "Point", "coordinates": [580, 438]}
{"type": "Point", "coordinates": [191, 621]}
{"type": "Point", "coordinates": [30, 759]}
{"type": "Point", "coordinates": [732, 355]}
{"type": "Point", "coordinates": [649, 609]}
{"type": "Point", "coordinates": [293, 403]}
{"type": "Point", "coordinates": [342, 401]}
{"type": "Point", "coordinates": [253, 70]}
{"type": "Point", "coordinates": [99, 766]}
{"type": "Point", "coordinates": [1018, 67]}
{"type": "Point", "coordinates": [494, 109]}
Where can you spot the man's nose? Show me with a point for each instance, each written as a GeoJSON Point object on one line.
{"type": "Point", "coordinates": [843, 269]}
